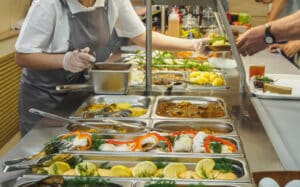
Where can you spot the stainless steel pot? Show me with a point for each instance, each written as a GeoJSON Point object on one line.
{"type": "Point", "coordinates": [106, 78]}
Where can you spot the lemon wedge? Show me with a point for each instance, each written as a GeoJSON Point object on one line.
{"type": "Point", "coordinates": [86, 169]}
{"type": "Point", "coordinates": [144, 169]}
{"type": "Point", "coordinates": [173, 170]}
{"type": "Point", "coordinates": [58, 168]}
{"type": "Point", "coordinates": [120, 171]}
{"type": "Point", "coordinates": [204, 167]}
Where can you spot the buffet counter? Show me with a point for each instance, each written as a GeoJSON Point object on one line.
{"type": "Point", "coordinates": [258, 148]}
{"type": "Point", "coordinates": [280, 118]}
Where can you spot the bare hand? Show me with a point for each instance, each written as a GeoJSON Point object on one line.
{"type": "Point", "coordinates": [291, 48]}
{"type": "Point", "coordinates": [274, 47]}
{"type": "Point", "coordinates": [252, 41]}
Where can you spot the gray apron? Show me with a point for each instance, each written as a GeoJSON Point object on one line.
{"type": "Point", "coordinates": [87, 29]}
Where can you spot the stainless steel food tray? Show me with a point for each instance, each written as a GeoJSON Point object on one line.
{"type": "Point", "coordinates": [239, 166]}
{"type": "Point", "coordinates": [115, 183]}
{"type": "Point", "coordinates": [134, 100]}
{"type": "Point", "coordinates": [192, 99]}
{"type": "Point", "coordinates": [124, 138]}
{"type": "Point", "coordinates": [107, 125]}
{"type": "Point", "coordinates": [177, 87]}
{"type": "Point", "coordinates": [220, 127]}
{"type": "Point", "coordinates": [210, 184]}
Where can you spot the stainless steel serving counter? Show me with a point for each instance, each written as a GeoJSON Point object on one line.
{"type": "Point", "coordinates": [258, 148]}
{"type": "Point", "coordinates": [280, 118]}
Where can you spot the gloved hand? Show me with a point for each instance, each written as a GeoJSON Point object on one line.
{"type": "Point", "coordinates": [77, 60]}
{"type": "Point", "coordinates": [199, 45]}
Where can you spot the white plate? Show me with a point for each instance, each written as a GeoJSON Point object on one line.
{"type": "Point", "coordinates": [223, 63]}
{"type": "Point", "coordinates": [292, 81]}
{"type": "Point", "coordinates": [131, 48]}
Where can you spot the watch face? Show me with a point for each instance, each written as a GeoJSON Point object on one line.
{"type": "Point", "coordinates": [269, 40]}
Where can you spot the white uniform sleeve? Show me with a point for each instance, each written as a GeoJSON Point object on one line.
{"type": "Point", "coordinates": [128, 23]}
{"type": "Point", "coordinates": [36, 32]}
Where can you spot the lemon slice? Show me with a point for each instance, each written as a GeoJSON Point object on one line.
{"type": "Point", "coordinates": [58, 168]}
{"type": "Point", "coordinates": [86, 169]}
{"type": "Point", "coordinates": [144, 169]}
{"type": "Point", "coordinates": [120, 171]}
{"type": "Point", "coordinates": [172, 170]}
{"type": "Point", "coordinates": [204, 167]}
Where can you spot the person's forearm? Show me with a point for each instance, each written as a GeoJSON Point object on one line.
{"type": "Point", "coordinates": [40, 61]}
{"type": "Point", "coordinates": [287, 28]}
{"type": "Point", "coordinates": [277, 7]}
{"type": "Point", "coordinates": [164, 42]}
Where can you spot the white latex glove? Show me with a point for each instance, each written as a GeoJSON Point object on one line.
{"type": "Point", "coordinates": [200, 43]}
{"type": "Point", "coordinates": [77, 60]}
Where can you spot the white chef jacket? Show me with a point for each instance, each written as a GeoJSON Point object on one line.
{"type": "Point", "coordinates": [46, 27]}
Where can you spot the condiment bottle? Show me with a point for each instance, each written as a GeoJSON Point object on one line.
{"type": "Point", "coordinates": [174, 24]}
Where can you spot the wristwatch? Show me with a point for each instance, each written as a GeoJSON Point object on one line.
{"type": "Point", "coordinates": [269, 37]}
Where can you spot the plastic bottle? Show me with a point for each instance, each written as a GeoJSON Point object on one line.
{"type": "Point", "coordinates": [174, 24]}
{"type": "Point", "coordinates": [208, 18]}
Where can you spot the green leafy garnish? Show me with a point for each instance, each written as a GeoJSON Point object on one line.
{"type": "Point", "coordinates": [197, 185]}
{"type": "Point", "coordinates": [105, 165]}
{"type": "Point", "coordinates": [161, 164]}
{"type": "Point", "coordinates": [216, 147]}
{"type": "Point", "coordinates": [161, 183]}
{"type": "Point", "coordinates": [224, 165]}
{"type": "Point", "coordinates": [86, 181]}
{"type": "Point", "coordinates": [264, 79]}
{"type": "Point", "coordinates": [97, 141]}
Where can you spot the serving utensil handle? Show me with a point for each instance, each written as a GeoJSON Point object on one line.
{"type": "Point", "coordinates": [52, 116]}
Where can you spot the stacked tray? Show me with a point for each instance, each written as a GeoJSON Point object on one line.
{"type": "Point", "coordinates": [160, 116]}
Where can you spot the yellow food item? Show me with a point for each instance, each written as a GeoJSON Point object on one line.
{"type": "Point", "coordinates": [159, 173]}
{"type": "Point", "coordinates": [58, 168]}
{"type": "Point", "coordinates": [195, 74]}
{"type": "Point", "coordinates": [86, 169]}
{"type": "Point", "coordinates": [201, 80]}
{"type": "Point", "coordinates": [120, 171]}
{"type": "Point", "coordinates": [204, 167]}
{"type": "Point", "coordinates": [123, 106]}
{"type": "Point", "coordinates": [104, 172]}
{"type": "Point", "coordinates": [138, 111]}
{"type": "Point", "coordinates": [218, 82]}
{"type": "Point", "coordinates": [189, 175]}
{"type": "Point", "coordinates": [70, 172]}
{"type": "Point", "coordinates": [206, 78]}
{"type": "Point", "coordinates": [144, 169]}
{"type": "Point", "coordinates": [173, 170]}
{"type": "Point", "coordinates": [219, 175]}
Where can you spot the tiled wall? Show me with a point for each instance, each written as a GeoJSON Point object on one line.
{"type": "Point", "coordinates": [11, 11]}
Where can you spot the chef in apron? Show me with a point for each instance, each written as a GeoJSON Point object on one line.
{"type": "Point", "coordinates": [59, 38]}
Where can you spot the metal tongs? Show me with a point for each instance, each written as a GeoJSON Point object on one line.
{"type": "Point", "coordinates": [120, 123]}
{"type": "Point", "coordinates": [63, 119]}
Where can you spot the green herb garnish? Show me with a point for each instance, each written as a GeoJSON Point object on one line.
{"type": "Point", "coordinates": [105, 165]}
{"type": "Point", "coordinates": [97, 141]}
{"type": "Point", "coordinates": [161, 183]}
{"type": "Point", "coordinates": [216, 147]}
{"type": "Point", "coordinates": [161, 164]}
{"type": "Point", "coordinates": [264, 79]}
{"type": "Point", "coordinates": [224, 165]}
